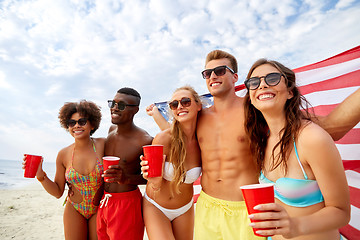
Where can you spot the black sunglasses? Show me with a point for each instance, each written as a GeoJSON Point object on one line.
{"type": "Point", "coordinates": [120, 105]}
{"type": "Point", "coordinates": [185, 102]}
{"type": "Point", "coordinates": [271, 79]}
{"type": "Point", "coordinates": [72, 122]}
{"type": "Point", "coordinates": [219, 71]}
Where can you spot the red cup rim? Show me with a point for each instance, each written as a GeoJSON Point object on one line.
{"type": "Point", "coordinates": [26, 154]}
{"type": "Point", "coordinates": [111, 158]}
{"type": "Point", "coordinates": [256, 186]}
{"type": "Point", "coordinates": [155, 145]}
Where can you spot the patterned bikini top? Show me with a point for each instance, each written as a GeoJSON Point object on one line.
{"type": "Point", "coordinates": [87, 185]}
{"type": "Point", "coordinates": [296, 192]}
{"type": "Point", "coordinates": [191, 175]}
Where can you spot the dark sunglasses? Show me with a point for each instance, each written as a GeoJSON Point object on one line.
{"type": "Point", "coordinates": [72, 122]}
{"type": "Point", "coordinates": [219, 71]}
{"type": "Point", "coordinates": [120, 105]}
{"type": "Point", "coordinates": [185, 102]}
{"type": "Point", "coordinates": [271, 79]}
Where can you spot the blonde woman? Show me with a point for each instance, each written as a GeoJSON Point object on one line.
{"type": "Point", "coordinates": [168, 205]}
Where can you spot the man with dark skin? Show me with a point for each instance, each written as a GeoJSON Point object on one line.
{"type": "Point", "coordinates": [119, 214]}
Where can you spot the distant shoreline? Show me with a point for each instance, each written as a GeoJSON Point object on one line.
{"type": "Point", "coordinates": [31, 213]}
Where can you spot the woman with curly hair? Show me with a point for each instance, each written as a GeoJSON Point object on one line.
{"type": "Point", "coordinates": [297, 156]}
{"type": "Point", "coordinates": [168, 205]}
{"type": "Point", "coordinates": [79, 164]}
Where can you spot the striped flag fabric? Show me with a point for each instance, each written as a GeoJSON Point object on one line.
{"type": "Point", "coordinates": [325, 84]}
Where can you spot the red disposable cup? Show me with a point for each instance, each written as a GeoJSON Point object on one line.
{"type": "Point", "coordinates": [255, 194]}
{"type": "Point", "coordinates": [108, 161]}
{"type": "Point", "coordinates": [154, 155]}
{"type": "Point", "coordinates": [32, 164]}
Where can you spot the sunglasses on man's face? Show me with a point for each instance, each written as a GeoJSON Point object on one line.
{"type": "Point", "coordinates": [271, 79]}
{"type": "Point", "coordinates": [185, 102]}
{"type": "Point", "coordinates": [81, 122]}
{"type": "Point", "coordinates": [219, 71]}
{"type": "Point", "coordinates": [120, 105]}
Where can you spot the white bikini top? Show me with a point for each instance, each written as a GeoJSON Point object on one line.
{"type": "Point", "coordinates": [191, 175]}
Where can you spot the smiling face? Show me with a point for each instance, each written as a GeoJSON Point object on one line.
{"type": "Point", "coordinates": [182, 113]}
{"type": "Point", "coordinates": [217, 85]}
{"type": "Point", "coordinates": [119, 117]}
{"type": "Point", "coordinates": [269, 98]}
{"type": "Point", "coordinates": [78, 131]}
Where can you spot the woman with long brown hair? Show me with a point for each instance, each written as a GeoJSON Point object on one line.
{"type": "Point", "coordinates": [168, 205]}
{"type": "Point", "coordinates": [296, 155]}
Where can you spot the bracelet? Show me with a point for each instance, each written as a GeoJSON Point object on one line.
{"type": "Point", "coordinates": [41, 179]}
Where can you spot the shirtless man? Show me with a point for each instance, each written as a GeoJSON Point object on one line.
{"type": "Point", "coordinates": [227, 161]}
{"type": "Point", "coordinates": [119, 215]}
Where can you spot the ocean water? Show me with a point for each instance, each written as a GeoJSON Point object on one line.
{"type": "Point", "coordinates": [12, 174]}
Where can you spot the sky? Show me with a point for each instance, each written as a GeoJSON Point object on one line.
{"type": "Point", "coordinates": [57, 51]}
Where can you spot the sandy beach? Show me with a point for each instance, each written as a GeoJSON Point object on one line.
{"type": "Point", "coordinates": [31, 213]}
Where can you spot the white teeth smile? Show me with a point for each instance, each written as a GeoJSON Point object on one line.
{"type": "Point", "coordinates": [78, 131]}
{"type": "Point", "coordinates": [215, 84]}
{"type": "Point", "coordinates": [182, 113]}
{"type": "Point", "coordinates": [266, 96]}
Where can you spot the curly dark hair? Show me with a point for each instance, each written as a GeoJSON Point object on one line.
{"type": "Point", "coordinates": [86, 109]}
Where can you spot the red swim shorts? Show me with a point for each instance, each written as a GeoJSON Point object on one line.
{"type": "Point", "coordinates": [120, 216]}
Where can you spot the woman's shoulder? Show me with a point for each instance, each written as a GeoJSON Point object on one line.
{"type": "Point", "coordinates": [64, 153]}
{"type": "Point", "coordinates": [163, 137]}
{"type": "Point", "coordinates": [312, 135]}
{"type": "Point", "coordinates": [99, 140]}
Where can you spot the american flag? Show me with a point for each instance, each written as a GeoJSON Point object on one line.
{"type": "Point", "coordinates": [325, 84]}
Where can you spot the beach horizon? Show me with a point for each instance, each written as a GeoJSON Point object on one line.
{"type": "Point", "coordinates": [29, 212]}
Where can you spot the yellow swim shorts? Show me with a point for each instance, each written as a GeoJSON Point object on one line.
{"type": "Point", "coordinates": [219, 219]}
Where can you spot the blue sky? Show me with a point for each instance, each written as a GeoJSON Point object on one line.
{"type": "Point", "coordinates": [56, 51]}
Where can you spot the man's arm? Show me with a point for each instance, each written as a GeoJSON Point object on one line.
{"type": "Point", "coordinates": [343, 118]}
{"type": "Point", "coordinates": [154, 112]}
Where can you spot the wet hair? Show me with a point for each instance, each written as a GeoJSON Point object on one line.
{"type": "Point", "coordinates": [296, 110]}
{"type": "Point", "coordinates": [219, 54]}
{"type": "Point", "coordinates": [178, 145]}
{"type": "Point", "coordinates": [86, 109]}
{"type": "Point", "coordinates": [131, 92]}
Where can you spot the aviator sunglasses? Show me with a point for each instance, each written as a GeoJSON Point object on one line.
{"type": "Point", "coordinates": [185, 102]}
{"type": "Point", "coordinates": [81, 122]}
{"type": "Point", "coordinates": [120, 105]}
{"type": "Point", "coordinates": [271, 79]}
{"type": "Point", "coordinates": [219, 71]}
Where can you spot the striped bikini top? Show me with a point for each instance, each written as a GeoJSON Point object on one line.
{"type": "Point", "coordinates": [296, 192]}
{"type": "Point", "coordinates": [89, 184]}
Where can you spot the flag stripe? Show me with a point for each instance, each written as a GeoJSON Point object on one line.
{"type": "Point", "coordinates": [351, 165]}
{"type": "Point", "coordinates": [351, 79]}
{"type": "Point", "coordinates": [353, 178]}
{"type": "Point", "coordinates": [349, 151]}
{"type": "Point", "coordinates": [355, 217]}
{"type": "Point", "coordinates": [350, 232]}
{"type": "Point", "coordinates": [329, 97]}
{"type": "Point", "coordinates": [354, 194]}
{"type": "Point", "coordinates": [342, 57]}
{"type": "Point", "coordinates": [352, 137]}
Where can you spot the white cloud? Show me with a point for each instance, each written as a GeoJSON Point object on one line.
{"type": "Point", "coordinates": [56, 51]}
{"type": "Point", "coordinates": [3, 83]}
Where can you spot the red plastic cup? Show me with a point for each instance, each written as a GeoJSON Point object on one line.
{"type": "Point", "coordinates": [255, 194]}
{"type": "Point", "coordinates": [154, 155]}
{"type": "Point", "coordinates": [32, 164]}
{"type": "Point", "coordinates": [108, 161]}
